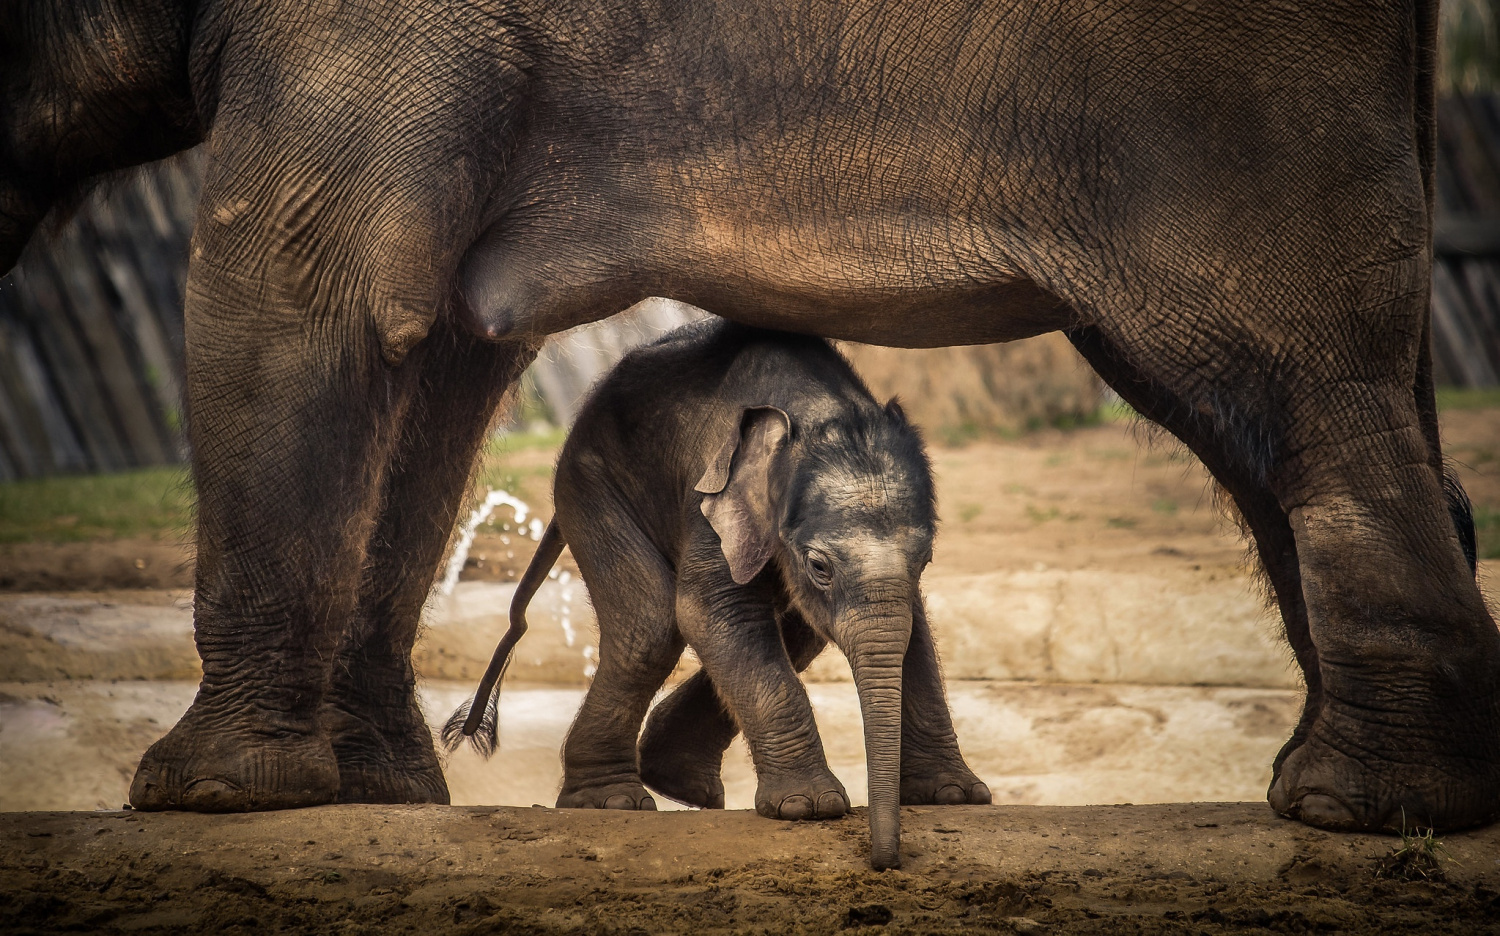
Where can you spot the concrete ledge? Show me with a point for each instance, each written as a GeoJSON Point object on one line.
{"type": "Point", "coordinates": [1154, 869]}
{"type": "Point", "coordinates": [84, 636]}
{"type": "Point", "coordinates": [1049, 625]}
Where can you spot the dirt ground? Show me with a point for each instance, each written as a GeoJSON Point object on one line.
{"type": "Point", "coordinates": [1196, 868]}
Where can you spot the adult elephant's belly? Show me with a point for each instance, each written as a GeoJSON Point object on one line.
{"type": "Point", "coordinates": [901, 282]}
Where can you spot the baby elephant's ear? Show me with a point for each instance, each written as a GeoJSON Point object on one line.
{"type": "Point", "coordinates": [737, 490]}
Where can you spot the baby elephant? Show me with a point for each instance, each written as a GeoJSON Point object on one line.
{"type": "Point", "coordinates": [740, 491]}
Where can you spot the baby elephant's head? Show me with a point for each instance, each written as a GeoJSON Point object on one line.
{"type": "Point", "coordinates": [845, 508]}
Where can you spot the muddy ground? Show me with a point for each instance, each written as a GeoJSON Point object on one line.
{"type": "Point", "coordinates": [1198, 868]}
{"type": "Point", "coordinates": [1047, 533]}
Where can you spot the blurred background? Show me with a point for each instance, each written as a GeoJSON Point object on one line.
{"type": "Point", "coordinates": [1102, 637]}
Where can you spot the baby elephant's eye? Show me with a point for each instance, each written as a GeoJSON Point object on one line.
{"type": "Point", "coordinates": [819, 569]}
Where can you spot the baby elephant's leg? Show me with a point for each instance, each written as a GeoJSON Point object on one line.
{"type": "Point", "coordinates": [632, 591]}
{"type": "Point", "coordinates": [736, 635]}
{"type": "Point", "coordinates": [932, 769]}
{"type": "Point", "coordinates": [687, 733]}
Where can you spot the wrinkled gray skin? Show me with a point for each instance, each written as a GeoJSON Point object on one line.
{"type": "Point", "coordinates": [1227, 207]}
{"type": "Point", "coordinates": [740, 492]}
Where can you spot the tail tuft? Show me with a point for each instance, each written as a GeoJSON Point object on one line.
{"type": "Point", "coordinates": [453, 729]}
{"type": "Point", "coordinates": [485, 740]}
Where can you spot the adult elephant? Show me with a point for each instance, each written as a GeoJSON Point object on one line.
{"type": "Point", "coordinates": [1227, 207]}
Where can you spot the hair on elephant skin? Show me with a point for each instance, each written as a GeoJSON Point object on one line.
{"type": "Point", "coordinates": [1228, 208]}
{"type": "Point", "coordinates": [738, 491]}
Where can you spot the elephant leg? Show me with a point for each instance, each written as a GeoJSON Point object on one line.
{"type": "Point", "coordinates": [932, 768]}
{"type": "Point", "coordinates": [1407, 729]}
{"type": "Point", "coordinates": [1270, 530]}
{"type": "Point", "coordinates": [686, 735]}
{"type": "Point", "coordinates": [382, 742]}
{"type": "Point", "coordinates": [735, 632]}
{"type": "Point", "coordinates": [292, 425]}
{"type": "Point", "coordinates": [1401, 657]}
{"type": "Point", "coordinates": [632, 591]}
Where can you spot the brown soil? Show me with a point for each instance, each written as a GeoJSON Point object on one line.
{"type": "Point", "coordinates": [1199, 868]}
{"type": "Point", "coordinates": [95, 566]}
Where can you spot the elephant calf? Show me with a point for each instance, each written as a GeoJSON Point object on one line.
{"type": "Point", "coordinates": [740, 491]}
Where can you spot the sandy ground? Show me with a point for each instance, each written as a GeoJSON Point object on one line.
{"type": "Point", "coordinates": [74, 745]}
{"type": "Point", "coordinates": [1197, 868]}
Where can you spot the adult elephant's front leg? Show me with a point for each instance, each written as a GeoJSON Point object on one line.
{"type": "Point", "coordinates": [291, 419]}
{"type": "Point", "coordinates": [383, 745]}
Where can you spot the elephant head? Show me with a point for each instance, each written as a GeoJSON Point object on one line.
{"type": "Point", "coordinates": [844, 506]}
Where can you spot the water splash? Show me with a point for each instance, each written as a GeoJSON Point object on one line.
{"type": "Point", "coordinates": [480, 514]}
{"type": "Point", "coordinates": [565, 615]}
{"type": "Point", "coordinates": [591, 662]}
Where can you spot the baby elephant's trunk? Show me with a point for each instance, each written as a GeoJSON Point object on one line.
{"type": "Point", "coordinates": [876, 650]}
{"type": "Point", "coordinates": [479, 720]}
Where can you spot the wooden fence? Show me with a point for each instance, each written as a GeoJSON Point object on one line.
{"type": "Point", "coordinates": [91, 319]}
{"type": "Point", "coordinates": [1466, 276]}
{"type": "Point", "coordinates": [91, 331]}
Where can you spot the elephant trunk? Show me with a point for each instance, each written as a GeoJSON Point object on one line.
{"type": "Point", "coordinates": [876, 649]}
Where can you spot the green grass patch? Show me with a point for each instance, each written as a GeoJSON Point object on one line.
{"type": "Point", "coordinates": [1038, 515]}
{"type": "Point", "coordinates": [1462, 398]}
{"type": "Point", "coordinates": [1487, 528]}
{"type": "Point", "coordinates": [1116, 410]}
{"type": "Point", "coordinates": [525, 441]}
{"type": "Point", "coordinates": [154, 503]}
{"type": "Point", "coordinates": [521, 463]}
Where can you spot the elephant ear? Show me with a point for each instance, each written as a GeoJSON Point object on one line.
{"type": "Point", "coordinates": [737, 490]}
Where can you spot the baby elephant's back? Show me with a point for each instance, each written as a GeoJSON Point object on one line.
{"type": "Point", "coordinates": [649, 423]}
{"type": "Point", "coordinates": [668, 392]}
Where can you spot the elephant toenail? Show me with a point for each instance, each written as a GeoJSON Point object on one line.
{"type": "Point", "coordinates": [647, 803]}
{"type": "Point", "coordinates": [979, 794]}
{"type": "Point", "coordinates": [949, 795]}
{"type": "Point", "coordinates": [1278, 798]}
{"type": "Point", "coordinates": [621, 801]}
{"type": "Point", "coordinates": [214, 795]}
{"type": "Point", "coordinates": [832, 804]}
{"type": "Point", "coordinates": [796, 807]}
{"type": "Point", "coordinates": [1324, 811]}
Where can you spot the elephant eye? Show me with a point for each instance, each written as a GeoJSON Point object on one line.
{"type": "Point", "coordinates": [819, 570]}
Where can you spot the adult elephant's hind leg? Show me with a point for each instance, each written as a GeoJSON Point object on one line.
{"type": "Point", "coordinates": [1402, 658]}
{"type": "Point", "coordinates": [383, 745]}
{"type": "Point", "coordinates": [292, 424]}
{"type": "Point", "coordinates": [1409, 658]}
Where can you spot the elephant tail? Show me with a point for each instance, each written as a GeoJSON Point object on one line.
{"type": "Point", "coordinates": [478, 719]}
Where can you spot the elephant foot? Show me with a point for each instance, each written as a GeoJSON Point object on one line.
{"type": "Point", "coordinates": [682, 775]}
{"type": "Point", "coordinates": [682, 746]}
{"type": "Point", "coordinates": [217, 764]}
{"type": "Point", "coordinates": [954, 786]}
{"type": "Point", "coordinates": [1376, 773]}
{"type": "Point", "coordinates": [385, 756]}
{"type": "Point", "coordinates": [797, 797]}
{"type": "Point", "coordinates": [610, 796]}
